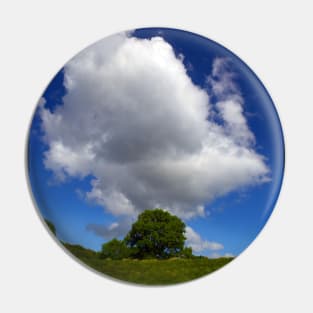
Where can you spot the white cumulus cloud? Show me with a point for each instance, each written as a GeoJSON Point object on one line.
{"type": "Point", "coordinates": [133, 119]}
{"type": "Point", "coordinates": [194, 240]}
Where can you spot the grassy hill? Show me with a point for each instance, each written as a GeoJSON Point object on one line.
{"type": "Point", "coordinates": [149, 271]}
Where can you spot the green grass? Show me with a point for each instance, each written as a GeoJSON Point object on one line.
{"type": "Point", "coordinates": [150, 271]}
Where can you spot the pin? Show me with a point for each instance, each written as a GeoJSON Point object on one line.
{"type": "Point", "coordinates": [155, 156]}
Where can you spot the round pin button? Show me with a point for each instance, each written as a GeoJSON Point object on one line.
{"type": "Point", "coordinates": [155, 156]}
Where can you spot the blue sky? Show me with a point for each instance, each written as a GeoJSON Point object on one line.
{"type": "Point", "coordinates": [66, 196]}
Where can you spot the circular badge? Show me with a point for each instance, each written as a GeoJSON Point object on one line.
{"type": "Point", "coordinates": [155, 156]}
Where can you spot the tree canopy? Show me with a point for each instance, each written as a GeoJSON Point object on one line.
{"type": "Point", "coordinates": [156, 234]}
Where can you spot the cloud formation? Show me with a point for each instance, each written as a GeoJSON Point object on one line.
{"type": "Point", "coordinates": [216, 255]}
{"type": "Point", "coordinates": [229, 104]}
{"type": "Point", "coordinates": [114, 230]}
{"type": "Point", "coordinates": [133, 119]}
{"type": "Point", "coordinates": [197, 244]}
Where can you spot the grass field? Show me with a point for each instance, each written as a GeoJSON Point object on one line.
{"type": "Point", "coordinates": [150, 271]}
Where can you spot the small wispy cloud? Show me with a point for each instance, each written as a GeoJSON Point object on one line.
{"type": "Point", "coordinates": [197, 244]}
{"type": "Point", "coordinates": [114, 230]}
{"type": "Point", "coordinates": [216, 255]}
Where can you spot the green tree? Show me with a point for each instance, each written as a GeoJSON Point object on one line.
{"type": "Point", "coordinates": [156, 234]}
{"type": "Point", "coordinates": [115, 249]}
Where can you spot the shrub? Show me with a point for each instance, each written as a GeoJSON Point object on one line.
{"type": "Point", "coordinates": [115, 249]}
